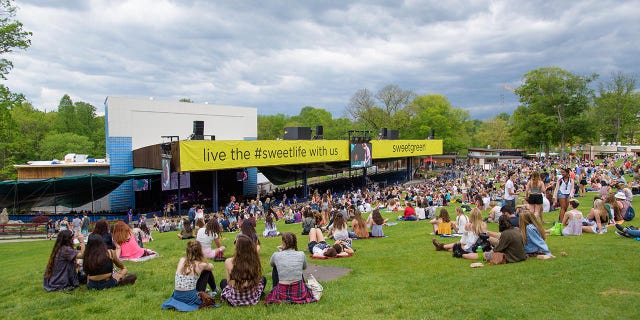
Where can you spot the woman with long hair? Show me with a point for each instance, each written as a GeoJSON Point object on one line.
{"type": "Point", "coordinates": [127, 247]}
{"type": "Point", "coordinates": [209, 235]}
{"type": "Point", "coordinates": [102, 228]}
{"type": "Point", "coordinates": [98, 266]}
{"type": "Point", "coordinates": [339, 228]}
{"type": "Point", "coordinates": [442, 224]}
{"type": "Point", "coordinates": [244, 282]}
{"type": "Point", "coordinates": [376, 222]}
{"type": "Point", "coordinates": [61, 273]}
{"type": "Point", "coordinates": [597, 219]}
{"type": "Point", "coordinates": [533, 235]}
{"type": "Point", "coordinates": [359, 226]}
{"type": "Point", "coordinates": [270, 229]}
{"type": "Point", "coordinates": [534, 192]}
{"type": "Point", "coordinates": [187, 231]}
{"type": "Point", "coordinates": [188, 280]}
{"type": "Point", "coordinates": [288, 264]}
{"type": "Point", "coordinates": [249, 230]}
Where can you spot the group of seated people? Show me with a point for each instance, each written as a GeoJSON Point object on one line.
{"type": "Point", "coordinates": [519, 237]}
{"type": "Point", "coordinates": [244, 282]}
{"type": "Point", "coordinates": [101, 252]}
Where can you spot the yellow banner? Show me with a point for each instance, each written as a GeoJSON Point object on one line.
{"type": "Point", "coordinates": [381, 149]}
{"type": "Point", "coordinates": [213, 155]}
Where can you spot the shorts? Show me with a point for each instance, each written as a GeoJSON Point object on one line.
{"type": "Point", "coordinates": [563, 196]}
{"type": "Point", "coordinates": [535, 199]}
{"type": "Point", "coordinates": [51, 231]}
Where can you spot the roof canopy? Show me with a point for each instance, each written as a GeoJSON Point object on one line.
{"type": "Point", "coordinates": [70, 192]}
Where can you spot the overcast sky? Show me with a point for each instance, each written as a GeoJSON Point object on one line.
{"type": "Point", "coordinates": [280, 56]}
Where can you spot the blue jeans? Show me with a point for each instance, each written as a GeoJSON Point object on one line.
{"type": "Point", "coordinates": [633, 233]}
{"type": "Point", "coordinates": [102, 284]}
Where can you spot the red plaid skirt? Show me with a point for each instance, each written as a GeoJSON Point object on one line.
{"type": "Point", "coordinates": [296, 292]}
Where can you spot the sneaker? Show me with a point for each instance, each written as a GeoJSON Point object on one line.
{"type": "Point", "coordinates": [619, 227]}
{"type": "Point", "coordinates": [622, 234]}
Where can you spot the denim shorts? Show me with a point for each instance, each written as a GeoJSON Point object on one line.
{"type": "Point", "coordinates": [563, 196]}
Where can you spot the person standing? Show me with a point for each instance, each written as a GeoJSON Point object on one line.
{"type": "Point", "coordinates": [534, 192]}
{"type": "Point", "coordinates": [510, 191]}
{"type": "Point", "coordinates": [563, 192]}
{"type": "Point", "coordinates": [86, 222]}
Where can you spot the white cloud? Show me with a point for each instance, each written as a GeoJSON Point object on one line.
{"type": "Point", "coordinates": [281, 56]}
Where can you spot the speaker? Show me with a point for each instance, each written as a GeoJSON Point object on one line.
{"type": "Point", "coordinates": [383, 133]}
{"type": "Point", "coordinates": [392, 135]}
{"type": "Point", "coordinates": [297, 133]}
{"type": "Point", "coordinates": [319, 131]}
{"type": "Point", "coordinates": [198, 128]}
{"type": "Point", "coordinates": [432, 134]}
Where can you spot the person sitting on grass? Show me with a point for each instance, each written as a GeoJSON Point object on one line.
{"type": "Point", "coordinates": [461, 220]}
{"type": "Point", "coordinates": [409, 213]}
{"type": "Point", "coordinates": [126, 244]}
{"type": "Point", "coordinates": [339, 230]}
{"type": "Point", "coordinates": [309, 221]}
{"type": "Point", "coordinates": [375, 221]}
{"type": "Point", "coordinates": [249, 230]}
{"type": "Point", "coordinates": [244, 283]}
{"type": "Point", "coordinates": [61, 273]}
{"type": "Point", "coordinates": [597, 219]}
{"type": "Point", "coordinates": [442, 224]}
{"type": "Point", "coordinates": [288, 264]}
{"type": "Point", "coordinates": [98, 266]}
{"type": "Point", "coordinates": [190, 280]}
{"type": "Point", "coordinates": [510, 242]}
{"type": "Point", "coordinates": [321, 249]}
{"type": "Point", "coordinates": [208, 236]}
{"type": "Point", "coordinates": [270, 229]}
{"type": "Point", "coordinates": [572, 223]}
{"type": "Point", "coordinates": [358, 227]}
{"type": "Point", "coordinates": [186, 232]}
{"type": "Point", "coordinates": [533, 235]}
{"type": "Point", "coordinates": [102, 228]}
{"type": "Point", "coordinates": [472, 231]}
{"type": "Point", "coordinates": [494, 213]}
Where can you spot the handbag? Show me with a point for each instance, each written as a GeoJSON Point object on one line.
{"type": "Point", "coordinates": [315, 287]}
{"type": "Point", "coordinates": [556, 229]}
{"type": "Point", "coordinates": [497, 258]}
{"type": "Point", "coordinates": [207, 300]}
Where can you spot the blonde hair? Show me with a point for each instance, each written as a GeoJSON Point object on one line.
{"type": "Point", "coordinates": [527, 218]}
{"type": "Point", "coordinates": [475, 218]}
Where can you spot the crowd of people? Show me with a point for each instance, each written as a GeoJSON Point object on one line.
{"type": "Point", "coordinates": [515, 197]}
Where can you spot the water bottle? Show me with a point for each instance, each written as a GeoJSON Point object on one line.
{"type": "Point", "coordinates": [480, 255]}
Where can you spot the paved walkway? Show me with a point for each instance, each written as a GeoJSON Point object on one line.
{"type": "Point", "coordinates": [24, 238]}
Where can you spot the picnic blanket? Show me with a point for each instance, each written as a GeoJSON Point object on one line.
{"type": "Point", "coordinates": [142, 259]}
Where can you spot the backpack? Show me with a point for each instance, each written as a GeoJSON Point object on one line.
{"type": "Point", "coordinates": [630, 214]}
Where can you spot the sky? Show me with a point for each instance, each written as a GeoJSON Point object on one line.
{"type": "Point", "coordinates": [280, 56]}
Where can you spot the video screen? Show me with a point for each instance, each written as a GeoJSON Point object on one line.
{"type": "Point", "coordinates": [360, 155]}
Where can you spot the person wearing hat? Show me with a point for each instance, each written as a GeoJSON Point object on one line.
{"type": "Point", "coordinates": [621, 187]}
{"type": "Point", "coordinates": [621, 199]}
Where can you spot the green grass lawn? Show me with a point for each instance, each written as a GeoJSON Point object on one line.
{"type": "Point", "coordinates": [398, 277]}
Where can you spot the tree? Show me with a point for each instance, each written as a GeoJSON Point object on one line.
{"type": "Point", "coordinates": [66, 119]}
{"type": "Point", "coordinates": [617, 107]}
{"type": "Point", "coordinates": [57, 145]}
{"type": "Point", "coordinates": [12, 36]}
{"type": "Point", "coordinates": [553, 105]}
{"type": "Point", "coordinates": [434, 112]}
{"type": "Point", "coordinates": [495, 132]}
{"type": "Point", "coordinates": [185, 100]}
{"type": "Point", "coordinates": [394, 99]}
{"type": "Point", "coordinates": [270, 127]}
